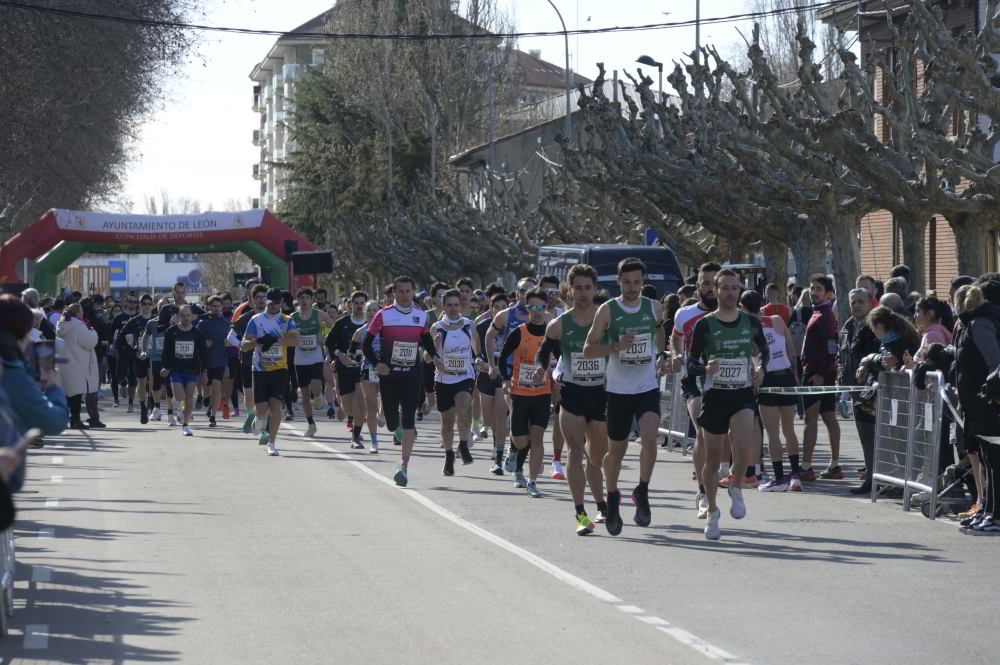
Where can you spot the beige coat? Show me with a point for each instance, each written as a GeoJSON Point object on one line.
{"type": "Point", "coordinates": [80, 374]}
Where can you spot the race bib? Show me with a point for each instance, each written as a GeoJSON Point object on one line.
{"type": "Point", "coordinates": [372, 375]}
{"type": "Point", "coordinates": [456, 364]}
{"type": "Point", "coordinates": [158, 344]}
{"type": "Point", "coordinates": [404, 354]}
{"type": "Point", "coordinates": [308, 342]}
{"type": "Point", "coordinates": [586, 370]}
{"type": "Point", "coordinates": [273, 355]}
{"type": "Point", "coordinates": [526, 375]}
{"type": "Point", "coordinates": [184, 349]}
{"type": "Point", "coordinates": [130, 339]}
{"type": "Point", "coordinates": [732, 374]}
{"type": "Point", "coordinates": [638, 352]}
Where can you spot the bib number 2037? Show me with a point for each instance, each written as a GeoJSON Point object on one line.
{"type": "Point", "coordinates": [638, 352]}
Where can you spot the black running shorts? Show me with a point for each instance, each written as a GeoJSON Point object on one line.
{"type": "Point", "coordinates": [306, 374]}
{"type": "Point", "coordinates": [719, 406]}
{"type": "Point", "coordinates": [401, 392]}
{"type": "Point", "coordinates": [623, 409]}
{"type": "Point", "coordinates": [270, 385]}
{"type": "Point", "coordinates": [783, 379]}
{"type": "Point", "coordinates": [529, 411]}
{"type": "Point", "coordinates": [486, 385]}
{"type": "Point", "coordinates": [447, 392]}
{"type": "Point", "coordinates": [347, 378]}
{"type": "Point", "coordinates": [587, 402]}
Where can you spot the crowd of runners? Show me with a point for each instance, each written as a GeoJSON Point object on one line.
{"type": "Point", "coordinates": [560, 354]}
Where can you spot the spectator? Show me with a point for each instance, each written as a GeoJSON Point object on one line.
{"type": "Point", "coordinates": [869, 284]}
{"type": "Point", "coordinates": [857, 342]}
{"type": "Point", "coordinates": [56, 313]}
{"type": "Point", "coordinates": [80, 378]}
{"type": "Point", "coordinates": [894, 303]}
{"type": "Point", "coordinates": [649, 291]}
{"type": "Point", "coordinates": [31, 406]}
{"type": "Point", "coordinates": [819, 368]}
{"type": "Point", "coordinates": [687, 291]}
{"type": "Point", "coordinates": [901, 271]}
{"type": "Point", "coordinates": [899, 286]}
{"type": "Point", "coordinates": [934, 321]}
{"type": "Point", "coordinates": [671, 303]}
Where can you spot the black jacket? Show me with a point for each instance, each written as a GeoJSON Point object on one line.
{"type": "Point", "coordinates": [974, 364]}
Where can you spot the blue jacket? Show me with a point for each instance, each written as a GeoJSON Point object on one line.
{"type": "Point", "coordinates": [29, 407]}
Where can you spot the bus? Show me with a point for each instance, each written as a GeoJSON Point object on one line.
{"type": "Point", "coordinates": [662, 269]}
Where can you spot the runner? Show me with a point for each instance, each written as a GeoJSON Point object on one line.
{"type": "Point", "coordinates": [777, 412]}
{"type": "Point", "coordinates": [338, 342]}
{"type": "Point", "coordinates": [183, 358]}
{"type": "Point", "coordinates": [435, 308]}
{"type": "Point", "coordinates": [152, 342]}
{"type": "Point", "coordinates": [268, 335]}
{"type": "Point", "coordinates": [454, 377]}
{"type": "Point", "coordinates": [723, 350]}
{"type": "Point", "coordinates": [402, 328]}
{"type": "Point", "coordinates": [214, 327]}
{"type": "Point", "coordinates": [125, 366]}
{"type": "Point", "coordinates": [258, 296]}
{"type": "Point", "coordinates": [680, 345]}
{"type": "Point", "coordinates": [530, 389]}
{"type": "Point", "coordinates": [494, 406]}
{"type": "Point", "coordinates": [584, 399]}
{"type": "Point", "coordinates": [130, 336]}
{"type": "Point", "coordinates": [633, 324]}
{"type": "Point", "coordinates": [308, 359]}
{"type": "Point", "coordinates": [555, 307]}
{"type": "Point", "coordinates": [369, 377]}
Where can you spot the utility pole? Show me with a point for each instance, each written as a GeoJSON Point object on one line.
{"type": "Point", "coordinates": [569, 120]}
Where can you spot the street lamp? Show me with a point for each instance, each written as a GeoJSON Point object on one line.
{"type": "Point", "coordinates": [649, 62]}
{"type": "Point", "coordinates": [569, 124]}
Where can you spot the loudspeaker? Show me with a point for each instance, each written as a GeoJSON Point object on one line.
{"type": "Point", "coordinates": [312, 263]}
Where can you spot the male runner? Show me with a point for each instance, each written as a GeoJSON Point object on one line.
{"type": "Point", "coordinates": [338, 342]}
{"type": "Point", "coordinates": [214, 327]}
{"type": "Point", "coordinates": [555, 307]}
{"type": "Point", "coordinates": [268, 335]}
{"type": "Point", "coordinates": [151, 343]}
{"type": "Point", "coordinates": [494, 406]}
{"type": "Point", "coordinates": [530, 389]}
{"type": "Point", "coordinates": [434, 306]}
{"type": "Point", "coordinates": [125, 372]}
{"type": "Point", "coordinates": [633, 324]}
{"type": "Point", "coordinates": [583, 411]}
{"type": "Point", "coordinates": [723, 348]}
{"type": "Point", "coordinates": [403, 327]}
{"type": "Point", "coordinates": [183, 358]}
{"type": "Point", "coordinates": [454, 377]}
{"type": "Point", "coordinates": [131, 334]}
{"type": "Point", "coordinates": [258, 298]}
{"type": "Point", "coordinates": [309, 355]}
{"type": "Point", "coordinates": [680, 345]}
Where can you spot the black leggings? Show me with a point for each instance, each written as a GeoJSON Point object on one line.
{"type": "Point", "coordinates": [400, 392]}
{"type": "Point", "coordinates": [113, 375]}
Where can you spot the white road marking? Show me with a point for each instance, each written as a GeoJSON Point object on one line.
{"type": "Point", "coordinates": [41, 574]}
{"type": "Point", "coordinates": [36, 636]}
{"type": "Point", "coordinates": [52, 503]}
{"type": "Point", "coordinates": [46, 533]}
{"type": "Point", "coordinates": [57, 460]}
{"type": "Point", "coordinates": [57, 479]}
{"type": "Point", "coordinates": [679, 634]}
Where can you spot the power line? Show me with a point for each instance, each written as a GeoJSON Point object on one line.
{"type": "Point", "coordinates": [180, 25]}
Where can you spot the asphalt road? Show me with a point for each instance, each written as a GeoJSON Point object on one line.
{"type": "Point", "coordinates": [136, 544]}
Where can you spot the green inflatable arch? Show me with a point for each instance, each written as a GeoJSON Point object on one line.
{"type": "Point", "coordinates": [49, 266]}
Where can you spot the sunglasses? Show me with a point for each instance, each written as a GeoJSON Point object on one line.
{"type": "Point", "coordinates": [535, 308]}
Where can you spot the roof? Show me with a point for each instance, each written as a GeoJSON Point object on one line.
{"type": "Point", "coordinates": [845, 14]}
{"type": "Point", "coordinates": [540, 73]}
{"type": "Point", "coordinates": [477, 154]}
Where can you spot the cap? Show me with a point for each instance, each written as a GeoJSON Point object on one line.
{"type": "Point", "coordinates": [274, 295]}
{"type": "Point", "coordinates": [751, 300]}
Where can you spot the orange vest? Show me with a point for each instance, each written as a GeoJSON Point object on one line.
{"type": "Point", "coordinates": [522, 382]}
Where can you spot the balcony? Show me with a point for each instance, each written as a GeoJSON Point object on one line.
{"type": "Point", "coordinates": [256, 171]}
{"type": "Point", "coordinates": [256, 99]}
{"type": "Point", "coordinates": [256, 137]}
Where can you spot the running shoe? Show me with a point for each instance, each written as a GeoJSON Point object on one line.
{"type": "Point", "coordinates": [211, 422]}
{"type": "Point", "coordinates": [808, 475]}
{"type": "Point", "coordinates": [186, 431]}
{"type": "Point", "coordinates": [397, 437]}
{"type": "Point", "coordinates": [318, 401]}
{"type": "Point", "coordinates": [496, 469]}
{"type": "Point", "coordinates": [600, 517]}
{"type": "Point", "coordinates": [357, 445]}
{"type": "Point", "coordinates": [510, 461]}
{"type": "Point", "coordinates": [794, 483]}
{"type": "Point", "coordinates": [750, 482]}
{"type": "Point", "coordinates": [236, 412]}
{"type": "Point", "coordinates": [156, 415]}
{"type": "Point", "coordinates": [463, 450]}
{"type": "Point", "coordinates": [727, 481]}
{"type": "Point", "coordinates": [258, 425]}
{"type": "Point", "coordinates": [738, 510]}
{"type": "Point", "coordinates": [401, 476]}
{"type": "Point", "coordinates": [373, 449]}
{"type": "Point", "coordinates": [272, 450]}
{"type": "Point", "coordinates": [558, 472]}
{"type": "Point", "coordinates": [986, 527]}
{"type": "Point", "coordinates": [775, 485]}
{"type": "Point", "coordinates": [449, 462]}
{"type": "Point", "coordinates": [832, 473]}
{"type": "Point", "coordinates": [356, 434]}
{"type": "Point", "coordinates": [519, 480]}
{"type": "Point", "coordinates": [712, 531]}
{"type": "Point", "coordinates": [248, 423]}
{"type": "Point", "coordinates": [702, 504]}
{"type": "Point", "coordinates": [225, 411]}
{"type": "Point", "coordinates": [614, 522]}
{"type": "Point", "coordinates": [331, 412]}
{"type": "Point", "coordinates": [262, 439]}
{"type": "Point", "coordinates": [584, 527]}
{"type": "Point", "coordinates": [350, 423]}
{"type": "Point", "coordinates": [116, 404]}
{"type": "Point", "coordinates": [311, 429]}
{"type": "Point", "coordinates": [975, 518]}
{"type": "Point", "coordinates": [131, 408]}
{"type": "Point", "coordinates": [533, 491]}
{"type": "Point", "coordinates": [643, 514]}
{"type": "Point", "coordinates": [143, 414]}
{"type": "Point", "coordinates": [171, 420]}
{"type": "Point", "coordinates": [976, 507]}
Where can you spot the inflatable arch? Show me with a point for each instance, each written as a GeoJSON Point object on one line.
{"type": "Point", "coordinates": [59, 237]}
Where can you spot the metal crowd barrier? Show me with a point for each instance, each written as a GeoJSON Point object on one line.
{"type": "Point", "coordinates": [673, 412]}
{"type": "Point", "coordinates": [6, 579]}
{"type": "Point", "coordinates": [907, 436]}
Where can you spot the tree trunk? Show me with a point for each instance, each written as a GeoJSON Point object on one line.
{"type": "Point", "coordinates": [913, 229]}
{"type": "Point", "coordinates": [846, 251]}
{"type": "Point", "coordinates": [776, 261]}
{"type": "Point", "coordinates": [972, 241]}
{"type": "Point", "coordinates": [809, 250]}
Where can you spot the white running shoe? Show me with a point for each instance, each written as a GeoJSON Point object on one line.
{"type": "Point", "coordinates": [319, 401]}
{"type": "Point", "coordinates": [311, 430]}
{"type": "Point", "coordinates": [156, 415]}
{"type": "Point", "coordinates": [172, 420]}
{"type": "Point", "coordinates": [712, 531]}
{"type": "Point", "coordinates": [258, 425]}
{"type": "Point", "coordinates": [558, 472]}
{"type": "Point", "coordinates": [187, 431]}
{"type": "Point", "coordinates": [272, 450]}
{"type": "Point", "coordinates": [702, 506]}
{"type": "Point", "coordinates": [739, 509]}
{"type": "Point", "coordinates": [373, 449]}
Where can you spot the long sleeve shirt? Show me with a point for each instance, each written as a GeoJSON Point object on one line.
{"type": "Point", "coordinates": [821, 345]}
{"type": "Point", "coordinates": [183, 351]}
